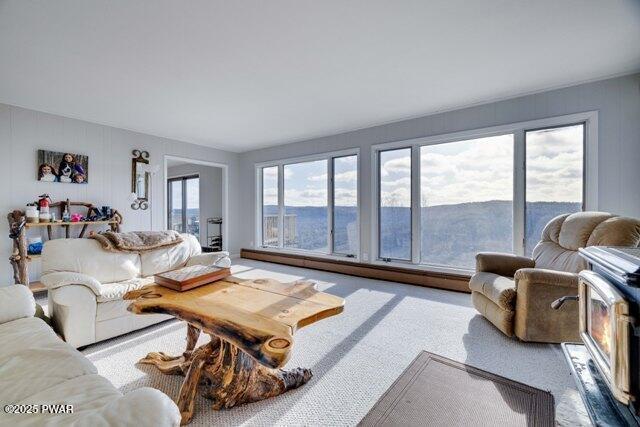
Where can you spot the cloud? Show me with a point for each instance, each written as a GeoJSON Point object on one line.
{"type": "Point", "coordinates": [344, 197]}
{"type": "Point", "coordinates": [400, 165]}
{"type": "Point", "coordinates": [482, 169]}
{"type": "Point", "coordinates": [343, 177]}
{"type": "Point", "coordinates": [305, 197]}
{"type": "Point", "coordinates": [271, 173]}
{"type": "Point", "coordinates": [270, 196]}
{"type": "Point", "coordinates": [555, 164]}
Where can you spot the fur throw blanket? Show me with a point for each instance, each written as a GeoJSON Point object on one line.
{"type": "Point", "coordinates": [136, 241]}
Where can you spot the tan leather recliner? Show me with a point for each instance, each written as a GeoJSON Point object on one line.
{"type": "Point", "coordinates": [515, 293]}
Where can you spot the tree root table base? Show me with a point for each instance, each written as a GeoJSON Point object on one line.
{"type": "Point", "coordinates": [251, 324]}
{"type": "Point", "coordinates": [228, 375]}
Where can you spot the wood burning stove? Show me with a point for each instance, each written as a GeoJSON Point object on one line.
{"type": "Point", "coordinates": [604, 329]}
{"type": "Point", "coordinates": [607, 365]}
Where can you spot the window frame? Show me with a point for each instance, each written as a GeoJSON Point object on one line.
{"type": "Point", "coordinates": [261, 196]}
{"type": "Point", "coordinates": [378, 204]}
{"type": "Point", "coordinates": [183, 179]}
{"type": "Point", "coordinates": [583, 204]}
{"type": "Point", "coordinates": [518, 129]}
{"type": "Point", "coordinates": [329, 157]}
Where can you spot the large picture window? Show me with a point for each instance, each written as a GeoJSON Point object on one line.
{"type": "Point", "coordinates": [311, 205]}
{"type": "Point", "coordinates": [466, 200]}
{"type": "Point", "coordinates": [441, 200]}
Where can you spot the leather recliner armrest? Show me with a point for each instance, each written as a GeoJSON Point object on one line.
{"type": "Point", "coordinates": [534, 276]}
{"type": "Point", "coordinates": [535, 318]}
{"type": "Point", "coordinates": [501, 263]}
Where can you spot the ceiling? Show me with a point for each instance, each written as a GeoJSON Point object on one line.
{"type": "Point", "coordinates": [250, 74]}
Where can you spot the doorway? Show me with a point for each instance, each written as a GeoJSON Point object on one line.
{"type": "Point", "coordinates": [196, 196]}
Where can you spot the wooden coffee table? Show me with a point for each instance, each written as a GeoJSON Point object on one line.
{"type": "Point", "coordinates": [251, 325]}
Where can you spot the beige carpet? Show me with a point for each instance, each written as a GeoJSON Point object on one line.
{"type": "Point", "coordinates": [355, 356]}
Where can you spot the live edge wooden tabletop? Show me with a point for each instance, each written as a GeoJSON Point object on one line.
{"type": "Point", "coordinates": [251, 324]}
{"type": "Point", "coordinates": [259, 316]}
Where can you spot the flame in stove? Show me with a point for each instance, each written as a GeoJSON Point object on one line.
{"type": "Point", "coordinates": [600, 326]}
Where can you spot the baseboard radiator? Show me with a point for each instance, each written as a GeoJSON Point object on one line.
{"type": "Point", "coordinates": [431, 279]}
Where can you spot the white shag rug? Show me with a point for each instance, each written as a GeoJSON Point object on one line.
{"type": "Point", "coordinates": [354, 356]}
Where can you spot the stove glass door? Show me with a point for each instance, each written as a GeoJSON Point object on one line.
{"type": "Point", "coordinates": [599, 323]}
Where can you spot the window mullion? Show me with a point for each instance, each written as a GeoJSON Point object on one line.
{"type": "Point", "coordinates": [415, 205]}
{"type": "Point", "coordinates": [184, 205]}
{"type": "Point", "coordinates": [519, 204]}
{"type": "Point", "coordinates": [330, 201]}
{"type": "Point", "coordinates": [281, 206]}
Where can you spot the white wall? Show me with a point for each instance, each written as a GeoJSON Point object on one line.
{"type": "Point", "coordinates": [23, 132]}
{"type": "Point", "coordinates": [210, 192]}
{"type": "Point", "coordinates": [617, 101]}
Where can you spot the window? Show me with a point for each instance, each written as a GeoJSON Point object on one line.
{"type": "Point", "coordinates": [554, 177]}
{"type": "Point", "coordinates": [466, 200]}
{"type": "Point", "coordinates": [311, 205]}
{"type": "Point", "coordinates": [395, 204]}
{"type": "Point", "coordinates": [305, 206]}
{"type": "Point", "coordinates": [184, 204]}
{"type": "Point", "coordinates": [441, 200]}
{"type": "Point", "coordinates": [345, 205]}
{"type": "Point", "coordinates": [175, 206]}
{"type": "Point", "coordinates": [270, 215]}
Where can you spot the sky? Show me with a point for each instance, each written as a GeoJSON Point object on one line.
{"type": "Point", "coordinates": [464, 171]}
{"type": "Point", "coordinates": [482, 169]}
{"type": "Point", "coordinates": [306, 183]}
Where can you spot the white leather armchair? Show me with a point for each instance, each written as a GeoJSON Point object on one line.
{"type": "Point", "coordinates": [86, 284]}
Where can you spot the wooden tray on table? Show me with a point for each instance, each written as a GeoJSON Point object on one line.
{"type": "Point", "coordinates": [191, 277]}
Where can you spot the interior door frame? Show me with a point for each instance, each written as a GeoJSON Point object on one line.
{"type": "Point", "coordinates": [225, 192]}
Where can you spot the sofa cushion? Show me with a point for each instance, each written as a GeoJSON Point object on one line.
{"type": "Point", "coordinates": [616, 231]}
{"type": "Point", "coordinates": [36, 359]}
{"type": "Point", "coordinates": [577, 228]}
{"type": "Point", "coordinates": [552, 256]}
{"type": "Point", "coordinates": [87, 256]}
{"type": "Point", "coordinates": [115, 291]}
{"type": "Point", "coordinates": [499, 289]}
{"type": "Point", "coordinates": [169, 258]}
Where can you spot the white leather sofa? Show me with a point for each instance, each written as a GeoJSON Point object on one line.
{"type": "Point", "coordinates": [37, 368]}
{"type": "Point", "coordinates": [86, 284]}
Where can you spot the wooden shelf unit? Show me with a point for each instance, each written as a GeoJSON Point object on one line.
{"type": "Point", "coordinates": [66, 224]}
{"type": "Point", "coordinates": [37, 287]}
{"type": "Point", "coordinates": [18, 226]}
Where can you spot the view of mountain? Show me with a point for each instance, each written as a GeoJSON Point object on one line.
{"type": "Point", "coordinates": [451, 234]}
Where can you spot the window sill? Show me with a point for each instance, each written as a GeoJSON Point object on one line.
{"type": "Point", "coordinates": [432, 268]}
{"type": "Point", "coordinates": [408, 273]}
{"type": "Point", "coordinates": [304, 252]}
